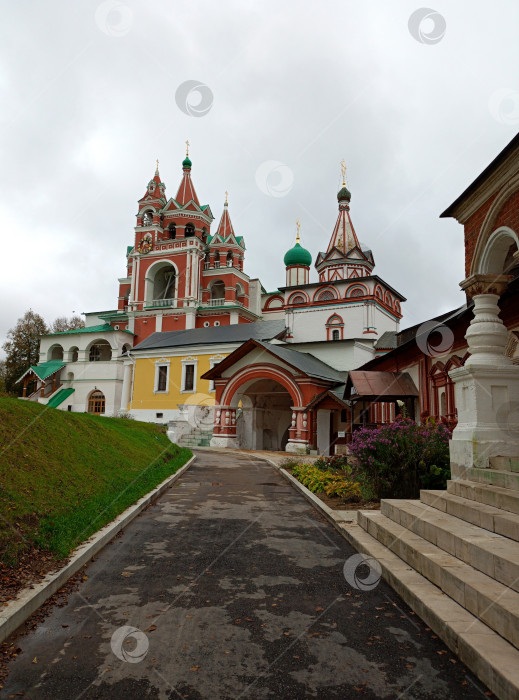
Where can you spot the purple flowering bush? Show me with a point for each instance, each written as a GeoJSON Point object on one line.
{"type": "Point", "coordinates": [397, 460]}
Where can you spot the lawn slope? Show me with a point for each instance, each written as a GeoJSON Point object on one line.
{"type": "Point", "coordinates": [65, 475]}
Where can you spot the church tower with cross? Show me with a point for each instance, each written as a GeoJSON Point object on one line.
{"type": "Point", "coordinates": [179, 276]}
{"type": "Point", "coordinates": [349, 301]}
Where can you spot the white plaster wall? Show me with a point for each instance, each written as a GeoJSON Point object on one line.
{"type": "Point", "coordinates": [310, 324]}
{"type": "Point", "coordinates": [362, 353]}
{"type": "Point", "coordinates": [257, 356]}
{"type": "Point", "coordinates": [338, 355]}
{"type": "Point", "coordinates": [323, 432]}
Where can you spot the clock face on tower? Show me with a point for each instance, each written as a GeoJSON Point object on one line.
{"type": "Point", "coordinates": [145, 244]}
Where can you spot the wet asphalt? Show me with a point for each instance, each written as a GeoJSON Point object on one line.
{"type": "Point", "coordinates": [232, 586]}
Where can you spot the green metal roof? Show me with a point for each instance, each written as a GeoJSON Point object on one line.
{"type": "Point", "coordinates": [58, 398]}
{"type": "Point", "coordinates": [45, 369]}
{"type": "Point", "coordinates": [103, 328]}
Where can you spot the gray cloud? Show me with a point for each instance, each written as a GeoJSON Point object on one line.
{"type": "Point", "coordinates": [87, 107]}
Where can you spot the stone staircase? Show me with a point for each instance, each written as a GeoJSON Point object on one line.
{"type": "Point", "coordinates": [453, 556]}
{"type": "Point", "coordinates": [195, 438]}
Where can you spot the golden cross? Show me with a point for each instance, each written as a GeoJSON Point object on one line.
{"type": "Point", "coordinates": [298, 227]}
{"type": "Point", "coordinates": [343, 168]}
{"type": "Point", "coordinates": [187, 148]}
{"type": "Point", "coordinates": [157, 165]}
{"type": "Point", "coordinates": [226, 194]}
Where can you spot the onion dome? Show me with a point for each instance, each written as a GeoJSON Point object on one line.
{"type": "Point", "coordinates": [344, 195]}
{"type": "Point", "coordinates": [298, 256]}
{"type": "Point", "coordinates": [186, 163]}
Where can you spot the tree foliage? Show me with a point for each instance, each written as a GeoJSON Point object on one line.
{"type": "Point", "coordinates": [62, 323]}
{"type": "Point", "coordinates": [22, 348]}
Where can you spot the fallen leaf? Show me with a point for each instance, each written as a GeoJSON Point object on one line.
{"type": "Point", "coordinates": [151, 628]}
{"type": "Point", "coordinates": [35, 660]}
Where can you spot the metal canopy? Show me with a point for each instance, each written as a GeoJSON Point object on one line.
{"type": "Point", "coordinates": [379, 386]}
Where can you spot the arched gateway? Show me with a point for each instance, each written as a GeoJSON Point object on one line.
{"type": "Point", "coordinates": [262, 394]}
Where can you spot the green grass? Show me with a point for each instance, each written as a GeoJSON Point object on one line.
{"type": "Point", "coordinates": [65, 475]}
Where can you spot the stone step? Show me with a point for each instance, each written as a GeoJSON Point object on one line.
{"type": "Point", "coordinates": [510, 464]}
{"type": "Point", "coordinates": [494, 477]}
{"type": "Point", "coordinates": [490, 495]}
{"type": "Point", "coordinates": [494, 660]}
{"type": "Point", "coordinates": [480, 514]}
{"type": "Point", "coordinates": [492, 602]}
{"type": "Point", "coordinates": [494, 555]}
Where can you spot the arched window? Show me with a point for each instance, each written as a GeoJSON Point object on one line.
{"type": "Point", "coordinates": [172, 230]}
{"type": "Point", "coordinates": [217, 259]}
{"type": "Point", "coordinates": [74, 354]}
{"type": "Point", "coordinates": [297, 299]}
{"type": "Point", "coordinates": [164, 284]}
{"type": "Point", "coordinates": [190, 231]}
{"type": "Point", "coordinates": [96, 402]}
{"type": "Point", "coordinates": [56, 353]}
{"type": "Point", "coordinates": [204, 235]}
{"type": "Point", "coordinates": [100, 351]}
{"type": "Point", "coordinates": [218, 291]}
{"type": "Point", "coordinates": [326, 295]}
{"type": "Point", "coordinates": [229, 259]}
{"type": "Point", "coordinates": [239, 291]}
{"type": "Point", "coordinates": [147, 218]}
{"type": "Point", "coordinates": [126, 349]}
{"type": "Point", "coordinates": [336, 335]}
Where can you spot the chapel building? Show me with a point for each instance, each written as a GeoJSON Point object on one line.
{"type": "Point", "coordinates": [197, 344]}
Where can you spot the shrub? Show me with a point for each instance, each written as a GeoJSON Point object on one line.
{"type": "Point", "coordinates": [398, 460]}
{"type": "Point", "coordinates": [321, 481]}
{"type": "Point", "coordinates": [334, 462]}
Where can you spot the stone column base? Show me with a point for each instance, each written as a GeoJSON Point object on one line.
{"type": "Point", "coordinates": [222, 441]}
{"type": "Point", "coordinates": [487, 399]}
{"type": "Point", "coordinates": [298, 448]}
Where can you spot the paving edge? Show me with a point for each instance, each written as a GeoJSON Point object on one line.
{"type": "Point", "coordinates": [30, 599]}
{"type": "Point", "coordinates": [336, 517]}
{"type": "Point", "coordinates": [449, 620]}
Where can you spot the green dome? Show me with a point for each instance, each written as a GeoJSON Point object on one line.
{"type": "Point", "coordinates": [298, 256]}
{"type": "Point", "coordinates": [186, 163]}
{"type": "Point", "coordinates": [344, 194]}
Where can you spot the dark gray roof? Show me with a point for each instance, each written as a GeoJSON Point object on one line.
{"type": "Point", "coordinates": [307, 363]}
{"type": "Point", "coordinates": [235, 333]}
{"type": "Point", "coordinates": [386, 340]}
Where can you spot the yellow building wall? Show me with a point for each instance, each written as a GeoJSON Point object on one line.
{"type": "Point", "coordinates": [144, 383]}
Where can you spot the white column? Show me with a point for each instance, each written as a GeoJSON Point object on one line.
{"type": "Point", "coordinates": [486, 387]}
{"type": "Point", "coordinates": [127, 385]}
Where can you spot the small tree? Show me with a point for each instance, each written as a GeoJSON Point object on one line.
{"type": "Point", "coordinates": [22, 348]}
{"type": "Point", "coordinates": [62, 323]}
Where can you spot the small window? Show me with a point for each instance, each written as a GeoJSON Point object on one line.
{"type": "Point", "coordinates": [217, 323]}
{"type": "Point", "coordinates": [190, 231]}
{"type": "Point", "coordinates": [189, 377]}
{"type": "Point", "coordinates": [162, 378]}
{"type": "Point", "coordinates": [298, 299]}
{"type": "Point", "coordinates": [344, 416]}
{"type": "Point", "coordinates": [336, 335]}
{"type": "Point", "coordinates": [172, 230]}
{"type": "Point", "coordinates": [159, 415]}
{"type": "Point", "coordinates": [69, 408]}
{"type": "Point", "coordinates": [206, 324]}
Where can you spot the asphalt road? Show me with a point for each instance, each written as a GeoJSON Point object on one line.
{"type": "Point", "coordinates": [232, 586]}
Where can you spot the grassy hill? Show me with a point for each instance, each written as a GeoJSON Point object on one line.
{"type": "Point", "coordinates": [65, 475]}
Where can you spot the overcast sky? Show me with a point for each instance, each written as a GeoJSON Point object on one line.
{"type": "Point", "coordinates": [417, 103]}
